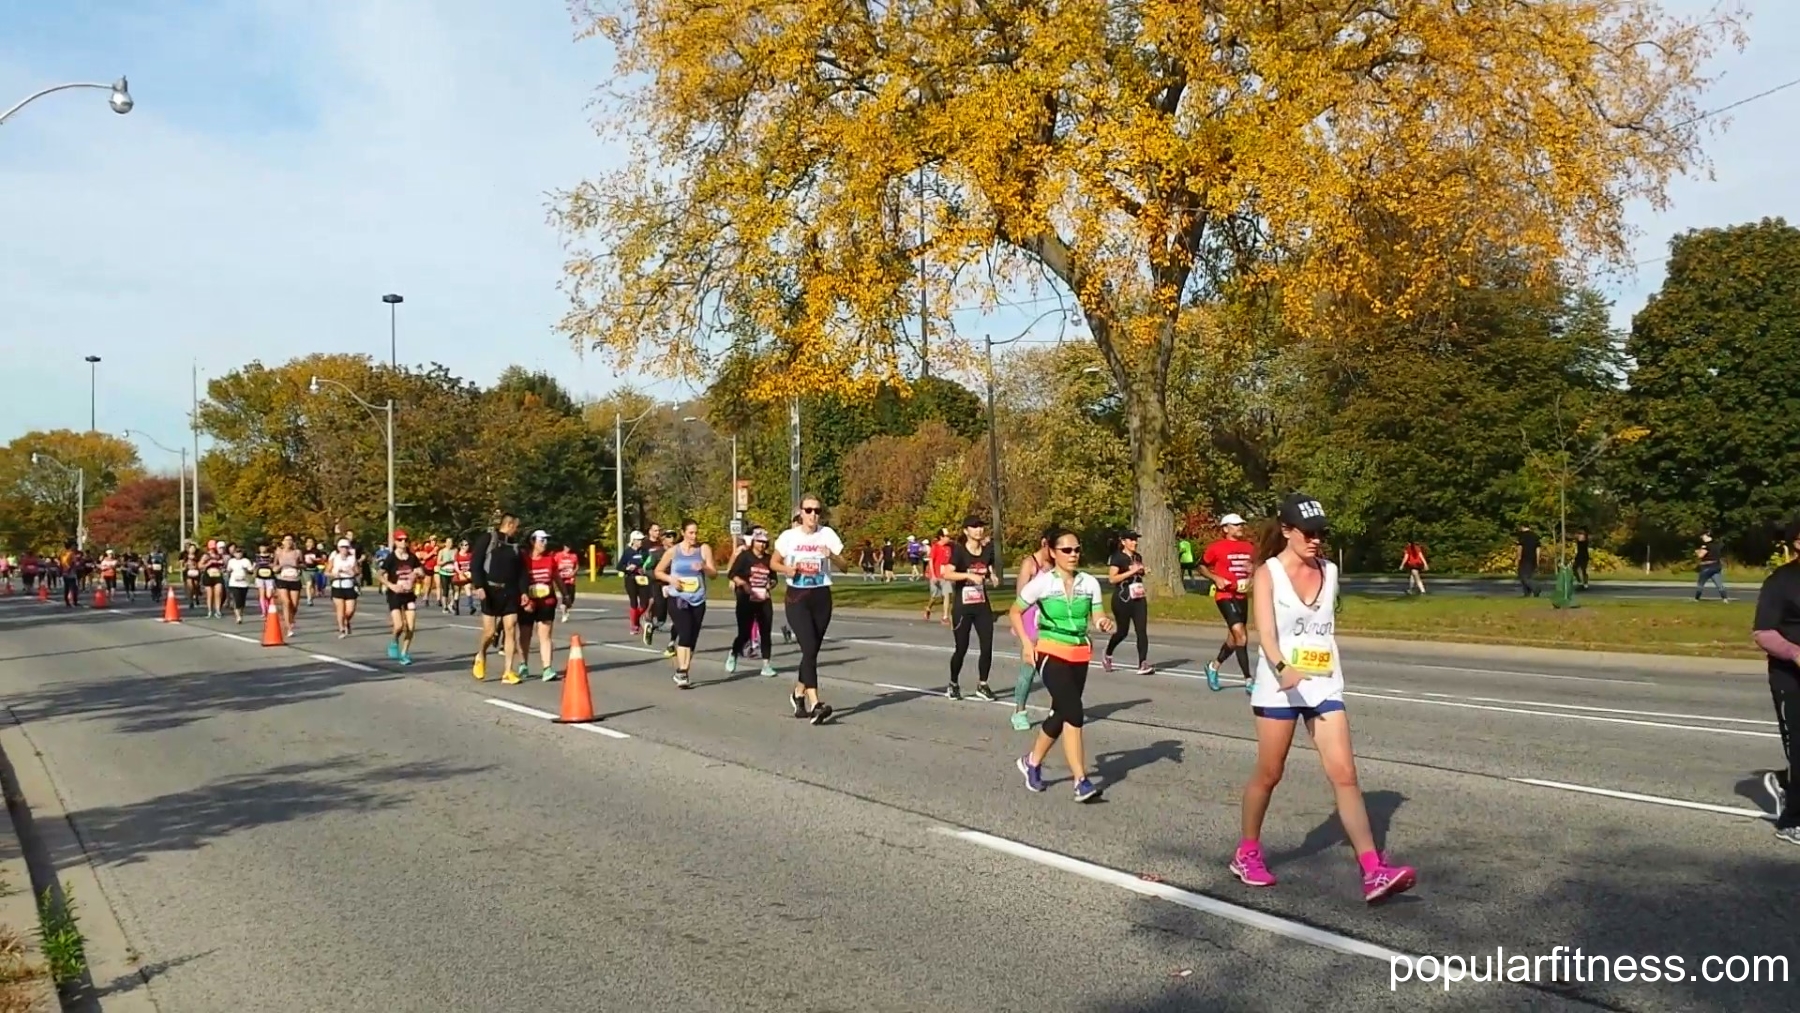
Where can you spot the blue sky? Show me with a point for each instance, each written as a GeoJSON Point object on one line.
{"type": "Point", "coordinates": [289, 162]}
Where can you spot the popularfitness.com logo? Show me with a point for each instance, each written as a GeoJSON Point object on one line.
{"type": "Point", "coordinates": [1569, 965]}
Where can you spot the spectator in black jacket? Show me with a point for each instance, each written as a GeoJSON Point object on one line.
{"type": "Point", "coordinates": [494, 580]}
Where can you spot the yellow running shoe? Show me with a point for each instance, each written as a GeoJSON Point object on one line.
{"type": "Point", "coordinates": [511, 679]}
{"type": "Point", "coordinates": [480, 669]}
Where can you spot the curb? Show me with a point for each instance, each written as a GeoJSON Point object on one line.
{"type": "Point", "coordinates": [18, 904]}
{"type": "Point", "coordinates": [55, 854]}
{"type": "Point", "coordinates": [1398, 646]}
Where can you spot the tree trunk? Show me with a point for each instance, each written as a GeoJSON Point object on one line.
{"type": "Point", "coordinates": [1146, 421]}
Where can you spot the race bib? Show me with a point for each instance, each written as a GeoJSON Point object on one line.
{"type": "Point", "coordinates": [687, 585]}
{"type": "Point", "coordinates": [807, 573]}
{"type": "Point", "coordinates": [193, 573]}
{"type": "Point", "coordinates": [1315, 658]}
{"type": "Point", "coordinates": [1136, 592]}
{"type": "Point", "coordinates": [212, 571]}
{"type": "Point", "coordinates": [264, 573]}
{"type": "Point", "coordinates": [973, 594]}
{"type": "Point", "coordinates": [344, 583]}
{"type": "Point", "coordinates": [1243, 586]}
{"type": "Point", "coordinates": [404, 582]}
{"type": "Point", "coordinates": [539, 590]}
{"type": "Point", "coordinates": [759, 593]}
{"type": "Point", "coordinates": [290, 573]}
{"type": "Point", "coordinates": [641, 579]}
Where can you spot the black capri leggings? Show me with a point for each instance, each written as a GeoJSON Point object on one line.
{"type": "Point", "coordinates": [1065, 681]}
{"type": "Point", "coordinates": [981, 621]}
{"type": "Point", "coordinates": [809, 615]}
{"type": "Point", "coordinates": [686, 619]}
{"type": "Point", "coordinates": [636, 595]}
{"type": "Point", "coordinates": [1127, 614]}
{"type": "Point", "coordinates": [659, 604]}
{"type": "Point", "coordinates": [753, 613]}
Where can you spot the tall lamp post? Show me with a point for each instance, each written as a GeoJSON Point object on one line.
{"type": "Point", "coordinates": [93, 362]}
{"type": "Point", "coordinates": [120, 100]}
{"type": "Point", "coordinates": [388, 407]}
{"type": "Point", "coordinates": [392, 301]}
{"type": "Point", "coordinates": [80, 493]}
{"type": "Point", "coordinates": [620, 435]}
{"type": "Point", "coordinates": [731, 507]}
{"type": "Point", "coordinates": [181, 477]}
{"type": "Point", "coordinates": [994, 428]}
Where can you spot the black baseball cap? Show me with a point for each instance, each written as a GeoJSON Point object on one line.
{"type": "Point", "coordinates": [1128, 534]}
{"type": "Point", "coordinates": [1302, 511]}
{"type": "Point", "coordinates": [973, 521]}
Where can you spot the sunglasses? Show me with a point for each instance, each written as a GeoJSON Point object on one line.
{"type": "Point", "coordinates": [809, 510]}
{"type": "Point", "coordinates": [1315, 536]}
{"type": "Point", "coordinates": [1069, 550]}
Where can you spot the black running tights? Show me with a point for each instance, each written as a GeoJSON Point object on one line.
{"type": "Point", "coordinates": [981, 620]}
{"type": "Point", "coordinates": [1127, 614]}
{"type": "Point", "coordinates": [809, 615]}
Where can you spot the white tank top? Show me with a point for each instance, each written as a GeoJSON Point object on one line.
{"type": "Point", "coordinates": [1308, 639]}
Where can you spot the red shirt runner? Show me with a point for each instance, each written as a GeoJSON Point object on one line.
{"type": "Point", "coordinates": [1234, 560]}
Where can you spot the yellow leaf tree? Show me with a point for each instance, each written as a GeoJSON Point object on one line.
{"type": "Point", "coordinates": [805, 174]}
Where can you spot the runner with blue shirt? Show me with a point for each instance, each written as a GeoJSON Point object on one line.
{"type": "Point", "coordinates": [684, 568]}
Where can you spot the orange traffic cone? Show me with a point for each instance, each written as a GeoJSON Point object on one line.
{"type": "Point", "coordinates": [272, 636]}
{"type": "Point", "coordinates": [171, 609]}
{"type": "Point", "coordinates": [44, 592]}
{"type": "Point", "coordinates": [102, 600]}
{"type": "Point", "coordinates": [577, 702]}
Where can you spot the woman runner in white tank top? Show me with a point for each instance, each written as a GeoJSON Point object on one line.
{"type": "Point", "coordinates": [1299, 678]}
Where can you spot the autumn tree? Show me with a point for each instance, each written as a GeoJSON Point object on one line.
{"type": "Point", "coordinates": [38, 501]}
{"type": "Point", "coordinates": [139, 514]}
{"type": "Point", "coordinates": [794, 166]}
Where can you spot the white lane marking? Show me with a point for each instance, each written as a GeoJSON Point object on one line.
{"type": "Point", "coordinates": [1516, 674]}
{"type": "Point", "coordinates": [1632, 796]}
{"type": "Point", "coordinates": [236, 636]}
{"type": "Point", "coordinates": [1567, 716]}
{"type": "Point", "coordinates": [1185, 898]}
{"type": "Point", "coordinates": [347, 663]}
{"type": "Point", "coordinates": [1597, 710]}
{"type": "Point", "coordinates": [611, 733]}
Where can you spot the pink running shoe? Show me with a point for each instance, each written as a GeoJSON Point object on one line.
{"type": "Point", "coordinates": [1247, 865]}
{"type": "Point", "coordinates": [1106, 663]}
{"type": "Point", "coordinates": [1146, 669]}
{"type": "Point", "coordinates": [1386, 880]}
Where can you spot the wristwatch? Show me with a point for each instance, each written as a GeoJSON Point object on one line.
{"type": "Point", "coordinates": [1280, 667]}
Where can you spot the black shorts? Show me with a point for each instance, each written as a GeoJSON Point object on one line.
{"type": "Point", "coordinates": [239, 595]}
{"type": "Point", "coordinates": [211, 581]}
{"type": "Point", "coordinates": [402, 602]}
{"type": "Point", "coordinates": [498, 602]}
{"type": "Point", "coordinates": [1413, 568]}
{"type": "Point", "coordinates": [344, 593]}
{"type": "Point", "coordinates": [1235, 610]}
{"type": "Point", "coordinates": [287, 585]}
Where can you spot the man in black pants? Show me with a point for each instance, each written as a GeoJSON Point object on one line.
{"type": "Point", "coordinates": [1528, 560]}
{"type": "Point", "coordinates": [1778, 634]}
{"type": "Point", "coordinates": [494, 579]}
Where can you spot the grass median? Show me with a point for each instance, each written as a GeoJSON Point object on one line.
{"type": "Point", "coordinates": [1649, 626]}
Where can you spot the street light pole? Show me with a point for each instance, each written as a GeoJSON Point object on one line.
{"type": "Point", "coordinates": [93, 362]}
{"type": "Point", "coordinates": [120, 99]}
{"type": "Point", "coordinates": [180, 478]}
{"type": "Point", "coordinates": [994, 459]}
{"type": "Point", "coordinates": [194, 425]}
{"type": "Point", "coordinates": [392, 301]}
{"type": "Point", "coordinates": [794, 492]}
{"type": "Point", "coordinates": [619, 436]}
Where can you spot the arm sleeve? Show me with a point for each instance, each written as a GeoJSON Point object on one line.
{"type": "Point", "coordinates": [478, 559]}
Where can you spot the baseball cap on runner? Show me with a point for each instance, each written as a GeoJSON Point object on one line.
{"type": "Point", "coordinates": [973, 521]}
{"type": "Point", "coordinates": [343, 543]}
{"type": "Point", "coordinates": [1302, 511]}
{"type": "Point", "coordinates": [1230, 519]}
{"type": "Point", "coordinates": [636, 536]}
{"type": "Point", "coordinates": [540, 535]}
{"type": "Point", "coordinates": [759, 535]}
{"type": "Point", "coordinates": [399, 534]}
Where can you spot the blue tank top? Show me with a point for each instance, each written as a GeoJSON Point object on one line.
{"type": "Point", "coordinates": [690, 580]}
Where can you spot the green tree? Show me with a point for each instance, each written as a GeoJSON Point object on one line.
{"type": "Point", "coordinates": [1713, 354]}
{"type": "Point", "coordinates": [38, 501]}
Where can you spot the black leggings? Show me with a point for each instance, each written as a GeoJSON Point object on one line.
{"type": "Point", "coordinates": [1787, 721]}
{"type": "Point", "coordinates": [686, 619]}
{"type": "Point", "coordinates": [71, 590]}
{"type": "Point", "coordinates": [1129, 613]}
{"type": "Point", "coordinates": [636, 595]}
{"type": "Point", "coordinates": [1065, 681]}
{"type": "Point", "coordinates": [809, 615]}
{"type": "Point", "coordinates": [760, 614]}
{"type": "Point", "coordinates": [659, 604]}
{"type": "Point", "coordinates": [981, 620]}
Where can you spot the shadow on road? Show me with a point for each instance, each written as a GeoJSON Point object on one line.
{"type": "Point", "coordinates": [1115, 766]}
{"type": "Point", "coordinates": [188, 820]}
{"type": "Point", "coordinates": [162, 702]}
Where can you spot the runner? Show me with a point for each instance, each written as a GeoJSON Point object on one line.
{"type": "Point", "coordinates": [803, 555]}
{"type": "Point", "coordinates": [1125, 572]}
{"type": "Point", "coordinates": [685, 569]}
{"type": "Point", "coordinates": [212, 579]}
{"type": "Point", "coordinates": [28, 571]}
{"type": "Point", "coordinates": [1412, 560]}
{"type": "Point", "coordinates": [289, 571]}
{"type": "Point", "coordinates": [445, 578]}
{"type": "Point", "coordinates": [109, 572]}
{"type": "Point", "coordinates": [69, 566]}
{"type": "Point", "coordinates": [750, 648]}
{"type": "Point", "coordinates": [1067, 600]}
{"type": "Point", "coordinates": [494, 580]}
{"type": "Point", "coordinates": [400, 573]}
{"type": "Point", "coordinates": [537, 609]}
{"type": "Point", "coordinates": [1040, 561]}
{"type": "Point", "coordinates": [936, 560]}
{"type": "Point", "coordinates": [1778, 634]}
{"type": "Point", "coordinates": [190, 574]}
{"type": "Point", "coordinates": [1230, 563]}
{"type": "Point", "coordinates": [340, 570]}
{"type": "Point", "coordinates": [312, 574]}
{"type": "Point", "coordinates": [239, 576]}
{"type": "Point", "coordinates": [658, 606]}
{"type": "Point", "coordinates": [464, 579]}
{"type": "Point", "coordinates": [156, 568]}
{"type": "Point", "coordinates": [1299, 677]}
{"type": "Point", "coordinates": [751, 579]}
{"type": "Point", "coordinates": [969, 571]}
{"type": "Point", "coordinates": [568, 564]}
{"type": "Point", "coordinates": [636, 582]}
{"type": "Point", "coordinates": [1184, 553]}
{"type": "Point", "coordinates": [265, 577]}
{"type": "Point", "coordinates": [129, 569]}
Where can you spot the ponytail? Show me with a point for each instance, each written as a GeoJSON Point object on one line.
{"type": "Point", "coordinates": [1270, 540]}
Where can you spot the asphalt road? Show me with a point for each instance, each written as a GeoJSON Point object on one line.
{"type": "Point", "coordinates": [312, 828]}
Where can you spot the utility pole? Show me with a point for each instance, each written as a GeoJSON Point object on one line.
{"type": "Point", "coordinates": [794, 491]}
{"type": "Point", "coordinates": [924, 302]}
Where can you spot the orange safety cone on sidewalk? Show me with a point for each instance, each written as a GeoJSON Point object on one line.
{"type": "Point", "coordinates": [272, 636]}
{"type": "Point", "coordinates": [44, 592]}
{"type": "Point", "coordinates": [102, 600]}
{"type": "Point", "coordinates": [577, 702]}
{"type": "Point", "coordinates": [171, 608]}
